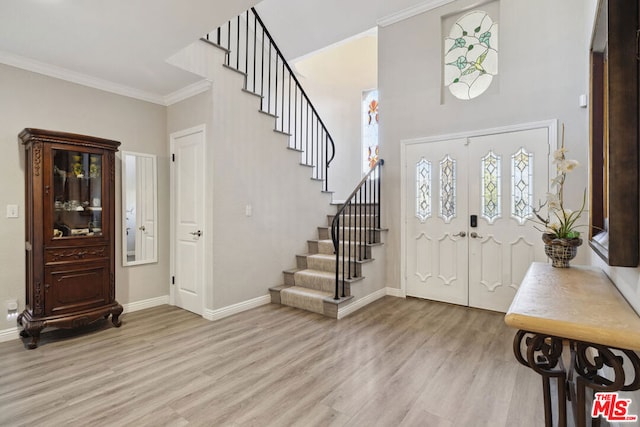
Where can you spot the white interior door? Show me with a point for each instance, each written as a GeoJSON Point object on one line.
{"type": "Point", "coordinates": [188, 247]}
{"type": "Point", "coordinates": [497, 179]}
{"type": "Point", "coordinates": [437, 253]}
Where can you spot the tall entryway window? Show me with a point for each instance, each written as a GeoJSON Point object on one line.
{"type": "Point", "coordinates": [369, 129]}
{"type": "Point", "coordinates": [467, 238]}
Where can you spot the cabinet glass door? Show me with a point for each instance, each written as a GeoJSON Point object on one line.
{"type": "Point", "coordinates": [77, 194]}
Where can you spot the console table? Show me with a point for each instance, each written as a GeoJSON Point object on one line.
{"type": "Point", "coordinates": [580, 309]}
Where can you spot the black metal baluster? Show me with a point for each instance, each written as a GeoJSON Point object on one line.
{"type": "Point", "coordinates": [309, 141]}
{"type": "Point", "coordinates": [255, 36]}
{"type": "Point", "coordinates": [275, 104]}
{"type": "Point", "coordinates": [269, 83]}
{"type": "Point", "coordinates": [343, 255]}
{"type": "Point", "coordinates": [282, 99]}
{"type": "Point", "coordinates": [289, 120]}
{"type": "Point", "coordinates": [379, 176]}
{"type": "Point", "coordinates": [343, 251]}
{"type": "Point", "coordinates": [295, 119]}
{"type": "Point", "coordinates": [262, 73]}
{"type": "Point", "coordinates": [335, 234]}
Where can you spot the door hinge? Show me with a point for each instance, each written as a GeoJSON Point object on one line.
{"type": "Point", "coordinates": [173, 280]}
{"type": "Point", "coordinates": [173, 157]}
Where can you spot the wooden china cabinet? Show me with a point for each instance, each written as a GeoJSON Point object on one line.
{"type": "Point", "coordinates": [70, 231]}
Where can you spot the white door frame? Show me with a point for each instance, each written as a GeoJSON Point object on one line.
{"type": "Point", "coordinates": [550, 125]}
{"type": "Point", "coordinates": [172, 141]}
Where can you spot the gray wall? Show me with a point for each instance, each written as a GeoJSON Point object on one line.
{"type": "Point", "coordinates": [33, 100]}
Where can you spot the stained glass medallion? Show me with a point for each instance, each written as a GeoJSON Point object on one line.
{"type": "Point", "coordinates": [423, 189]}
{"type": "Point", "coordinates": [471, 55]}
{"type": "Point", "coordinates": [490, 185]}
{"type": "Point", "coordinates": [522, 185]}
{"type": "Point", "coordinates": [447, 189]}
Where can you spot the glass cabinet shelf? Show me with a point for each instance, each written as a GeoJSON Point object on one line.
{"type": "Point", "coordinates": [77, 194]}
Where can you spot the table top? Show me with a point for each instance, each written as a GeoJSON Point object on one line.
{"type": "Point", "coordinates": [578, 303]}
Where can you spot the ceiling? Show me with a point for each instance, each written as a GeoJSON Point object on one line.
{"type": "Point", "coordinates": [122, 45]}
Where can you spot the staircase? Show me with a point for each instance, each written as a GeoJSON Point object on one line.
{"type": "Point", "coordinates": [325, 277]}
{"type": "Point", "coordinates": [311, 285]}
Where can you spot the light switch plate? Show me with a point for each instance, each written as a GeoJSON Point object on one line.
{"type": "Point", "coordinates": [12, 211]}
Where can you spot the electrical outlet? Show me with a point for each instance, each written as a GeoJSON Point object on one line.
{"type": "Point", "coordinates": [12, 211]}
{"type": "Point", "coordinates": [12, 305]}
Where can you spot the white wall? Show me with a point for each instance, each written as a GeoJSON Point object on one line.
{"type": "Point", "coordinates": [542, 72]}
{"type": "Point", "coordinates": [33, 100]}
{"type": "Point", "coordinates": [334, 79]}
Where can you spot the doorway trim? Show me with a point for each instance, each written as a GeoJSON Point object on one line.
{"type": "Point", "coordinates": [172, 228]}
{"type": "Point", "coordinates": [552, 132]}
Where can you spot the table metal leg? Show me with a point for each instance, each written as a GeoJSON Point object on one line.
{"type": "Point", "coordinates": [589, 362]}
{"type": "Point", "coordinates": [544, 355]}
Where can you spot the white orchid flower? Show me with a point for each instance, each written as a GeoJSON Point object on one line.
{"type": "Point", "coordinates": [558, 155]}
{"type": "Point", "coordinates": [558, 180]}
{"type": "Point", "coordinates": [565, 166]}
{"type": "Point", "coordinates": [554, 226]}
{"type": "Point", "coordinates": [553, 202]}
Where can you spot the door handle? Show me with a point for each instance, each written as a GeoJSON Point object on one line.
{"type": "Point", "coordinates": [460, 234]}
{"type": "Point", "coordinates": [476, 235]}
{"type": "Point", "coordinates": [142, 228]}
{"type": "Point", "coordinates": [196, 233]}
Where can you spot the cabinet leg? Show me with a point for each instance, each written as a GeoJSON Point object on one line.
{"type": "Point", "coordinates": [115, 315]}
{"type": "Point", "coordinates": [33, 329]}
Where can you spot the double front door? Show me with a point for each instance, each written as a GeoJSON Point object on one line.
{"type": "Point", "coordinates": [468, 238]}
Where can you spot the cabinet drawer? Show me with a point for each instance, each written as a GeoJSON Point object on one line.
{"type": "Point", "coordinates": [76, 287]}
{"type": "Point", "coordinates": [84, 253]}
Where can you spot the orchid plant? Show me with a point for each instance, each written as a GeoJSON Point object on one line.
{"type": "Point", "coordinates": [560, 223]}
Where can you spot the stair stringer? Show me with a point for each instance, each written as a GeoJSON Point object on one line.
{"type": "Point", "coordinates": [249, 165]}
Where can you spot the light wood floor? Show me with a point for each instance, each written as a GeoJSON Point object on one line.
{"type": "Point", "coordinates": [394, 363]}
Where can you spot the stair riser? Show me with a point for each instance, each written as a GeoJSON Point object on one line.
{"type": "Point", "coordinates": [326, 248]}
{"type": "Point", "coordinates": [354, 220]}
{"type": "Point", "coordinates": [358, 209]}
{"type": "Point", "coordinates": [324, 233]}
{"type": "Point", "coordinates": [330, 266]}
{"type": "Point", "coordinates": [289, 278]}
{"type": "Point", "coordinates": [318, 283]}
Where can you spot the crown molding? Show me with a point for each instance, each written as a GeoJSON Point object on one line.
{"type": "Point", "coordinates": [411, 11]}
{"type": "Point", "coordinates": [187, 92]}
{"type": "Point", "coordinates": [78, 78]}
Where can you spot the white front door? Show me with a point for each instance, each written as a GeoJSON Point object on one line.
{"type": "Point", "coordinates": [437, 243]}
{"type": "Point", "coordinates": [187, 200]}
{"type": "Point", "coordinates": [467, 237]}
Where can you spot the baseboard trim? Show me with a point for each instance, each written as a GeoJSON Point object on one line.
{"type": "Point", "coordinates": [396, 292]}
{"type": "Point", "coordinates": [9, 334]}
{"type": "Point", "coordinates": [362, 302]}
{"type": "Point", "coordinates": [230, 310]}
{"type": "Point", "coordinates": [147, 303]}
{"type": "Point", "coordinates": [13, 333]}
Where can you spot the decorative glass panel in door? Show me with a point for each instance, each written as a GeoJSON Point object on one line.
{"type": "Point", "coordinates": [491, 188]}
{"type": "Point", "coordinates": [423, 189]}
{"type": "Point", "coordinates": [77, 194]}
{"type": "Point", "coordinates": [522, 185]}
